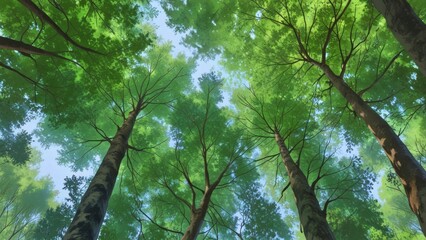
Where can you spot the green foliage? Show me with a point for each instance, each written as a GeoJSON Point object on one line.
{"type": "Point", "coordinates": [268, 46]}
{"type": "Point", "coordinates": [357, 213]}
{"type": "Point", "coordinates": [204, 24]}
{"type": "Point", "coordinates": [200, 130]}
{"type": "Point", "coordinates": [258, 216]}
{"type": "Point", "coordinates": [342, 186]}
{"type": "Point", "coordinates": [262, 48]}
{"type": "Point", "coordinates": [395, 209]}
{"type": "Point", "coordinates": [16, 147]}
{"type": "Point", "coordinates": [53, 85]}
{"type": "Point", "coordinates": [23, 198]}
{"type": "Point", "coordinates": [395, 206]}
{"type": "Point", "coordinates": [55, 221]}
{"type": "Point", "coordinates": [157, 79]}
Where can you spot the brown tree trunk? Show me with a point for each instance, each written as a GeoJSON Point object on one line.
{"type": "Point", "coordinates": [198, 215]}
{"type": "Point", "coordinates": [407, 28]}
{"type": "Point", "coordinates": [410, 172]}
{"type": "Point", "coordinates": [93, 205]}
{"type": "Point", "coordinates": [312, 218]}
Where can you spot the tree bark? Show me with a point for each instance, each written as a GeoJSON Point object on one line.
{"type": "Point", "coordinates": [198, 215]}
{"type": "Point", "coordinates": [92, 208]}
{"type": "Point", "coordinates": [7, 43]}
{"type": "Point", "coordinates": [312, 218]}
{"type": "Point", "coordinates": [409, 170]}
{"type": "Point", "coordinates": [407, 28]}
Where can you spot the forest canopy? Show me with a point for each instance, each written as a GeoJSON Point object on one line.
{"type": "Point", "coordinates": [238, 119]}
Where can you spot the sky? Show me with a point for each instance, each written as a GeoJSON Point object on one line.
{"type": "Point", "coordinates": [49, 166]}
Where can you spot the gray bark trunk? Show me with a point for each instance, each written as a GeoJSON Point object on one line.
{"type": "Point", "coordinates": [409, 170]}
{"type": "Point", "coordinates": [407, 28]}
{"type": "Point", "coordinates": [312, 218]}
{"type": "Point", "coordinates": [92, 208]}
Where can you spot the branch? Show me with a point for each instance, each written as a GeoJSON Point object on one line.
{"type": "Point", "coordinates": [154, 222]}
{"type": "Point", "coordinates": [378, 78]}
{"type": "Point", "coordinates": [36, 84]}
{"type": "Point", "coordinates": [284, 189]}
{"type": "Point", "coordinates": [175, 195]}
{"type": "Point", "coordinates": [45, 18]}
{"type": "Point", "coordinates": [27, 49]}
{"type": "Point", "coordinates": [337, 17]}
{"type": "Point", "coordinates": [10, 44]}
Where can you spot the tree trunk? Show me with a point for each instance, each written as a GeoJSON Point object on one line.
{"type": "Point", "coordinates": [409, 170]}
{"type": "Point", "coordinates": [197, 216]}
{"type": "Point", "coordinates": [407, 28]}
{"type": "Point", "coordinates": [312, 218]}
{"type": "Point", "coordinates": [92, 208]}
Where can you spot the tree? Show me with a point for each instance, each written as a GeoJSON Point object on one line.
{"type": "Point", "coordinates": [34, 83]}
{"type": "Point", "coordinates": [407, 27]}
{"type": "Point", "coordinates": [59, 16]}
{"type": "Point", "coordinates": [207, 122]}
{"type": "Point", "coordinates": [176, 160]}
{"type": "Point", "coordinates": [23, 48]}
{"type": "Point", "coordinates": [318, 179]}
{"type": "Point", "coordinates": [326, 35]}
{"type": "Point", "coordinates": [411, 173]}
{"type": "Point", "coordinates": [145, 88]}
{"type": "Point", "coordinates": [312, 217]}
{"type": "Point", "coordinates": [210, 136]}
{"type": "Point", "coordinates": [175, 198]}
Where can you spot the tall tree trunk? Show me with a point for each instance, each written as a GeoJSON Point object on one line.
{"type": "Point", "coordinates": [312, 218]}
{"type": "Point", "coordinates": [409, 170]}
{"type": "Point", "coordinates": [92, 208]}
{"type": "Point", "coordinates": [198, 215]}
{"type": "Point", "coordinates": [407, 28]}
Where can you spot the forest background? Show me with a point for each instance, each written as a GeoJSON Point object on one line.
{"type": "Point", "coordinates": [310, 102]}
